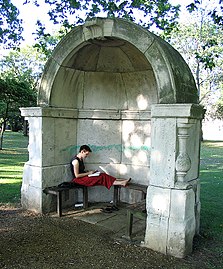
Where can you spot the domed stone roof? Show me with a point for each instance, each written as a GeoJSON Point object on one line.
{"type": "Point", "coordinates": [114, 59]}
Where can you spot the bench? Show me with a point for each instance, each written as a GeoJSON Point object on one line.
{"type": "Point", "coordinates": [137, 210]}
{"type": "Point", "coordinates": [132, 186]}
{"type": "Point", "coordinates": [57, 191]}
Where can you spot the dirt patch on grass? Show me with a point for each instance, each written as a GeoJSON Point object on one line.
{"type": "Point", "coordinates": [33, 241]}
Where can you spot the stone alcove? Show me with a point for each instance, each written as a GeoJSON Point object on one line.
{"type": "Point", "coordinates": [130, 96]}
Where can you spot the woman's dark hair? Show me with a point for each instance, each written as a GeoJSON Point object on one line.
{"type": "Point", "coordinates": [85, 147]}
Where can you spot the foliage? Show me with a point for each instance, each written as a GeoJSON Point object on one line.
{"type": "Point", "coordinates": [201, 43]}
{"type": "Point", "coordinates": [20, 73]}
{"type": "Point", "coordinates": [159, 13]}
{"type": "Point", "coordinates": [25, 64]}
{"type": "Point", "coordinates": [10, 25]}
{"type": "Point", "coordinates": [151, 14]}
{"type": "Point", "coordinates": [44, 42]}
{"type": "Point", "coordinates": [215, 13]}
{"type": "Point", "coordinates": [68, 13]}
{"type": "Point", "coordinates": [13, 95]}
{"type": "Point", "coordinates": [216, 111]}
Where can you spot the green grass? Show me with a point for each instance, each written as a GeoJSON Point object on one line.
{"type": "Point", "coordinates": [12, 158]}
{"type": "Point", "coordinates": [208, 246]}
{"type": "Point", "coordinates": [211, 174]}
{"type": "Point", "coordinates": [15, 154]}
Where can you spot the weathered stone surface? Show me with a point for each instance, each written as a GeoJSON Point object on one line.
{"type": "Point", "coordinates": [181, 223]}
{"type": "Point", "coordinates": [163, 152]}
{"type": "Point", "coordinates": [156, 232]}
{"type": "Point", "coordinates": [129, 95]}
{"type": "Point", "coordinates": [126, 48]}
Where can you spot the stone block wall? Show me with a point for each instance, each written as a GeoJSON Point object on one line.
{"type": "Point", "coordinates": [173, 195]}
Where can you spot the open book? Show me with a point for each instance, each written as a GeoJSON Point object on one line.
{"type": "Point", "coordinates": [95, 174]}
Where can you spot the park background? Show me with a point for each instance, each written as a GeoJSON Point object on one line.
{"type": "Point", "coordinates": [196, 32]}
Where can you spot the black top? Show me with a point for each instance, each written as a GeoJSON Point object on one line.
{"type": "Point", "coordinates": [81, 166]}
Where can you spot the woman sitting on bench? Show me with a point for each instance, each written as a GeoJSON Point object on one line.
{"type": "Point", "coordinates": [82, 177]}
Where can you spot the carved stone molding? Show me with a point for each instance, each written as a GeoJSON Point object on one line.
{"type": "Point", "coordinates": [183, 162]}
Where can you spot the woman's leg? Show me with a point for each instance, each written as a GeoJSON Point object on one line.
{"type": "Point", "coordinates": [121, 182]}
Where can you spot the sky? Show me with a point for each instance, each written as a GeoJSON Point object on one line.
{"type": "Point", "coordinates": [29, 13]}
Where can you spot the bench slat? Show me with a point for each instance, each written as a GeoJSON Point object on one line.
{"type": "Point", "coordinates": [55, 190]}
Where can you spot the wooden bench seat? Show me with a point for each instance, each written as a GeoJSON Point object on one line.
{"type": "Point", "coordinates": [132, 186]}
{"type": "Point", "coordinates": [58, 190]}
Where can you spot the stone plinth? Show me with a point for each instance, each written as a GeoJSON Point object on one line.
{"type": "Point", "coordinates": [49, 136]}
{"type": "Point", "coordinates": [173, 200]}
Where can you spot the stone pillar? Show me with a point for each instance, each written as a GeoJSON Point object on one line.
{"type": "Point", "coordinates": [52, 132]}
{"type": "Point", "coordinates": [173, 201]}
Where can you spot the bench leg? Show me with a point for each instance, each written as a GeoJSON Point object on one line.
{"type": "Point", "coordinates": [129, 224]}
{"type": "Point", "coordinates": [85, 197]}
{"type": "Point", "coordinates": [59, 204]}
{"type": "Point", "coordinates": [116, 195]}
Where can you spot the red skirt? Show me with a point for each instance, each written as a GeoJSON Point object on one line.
{"type": "Point", "coordinates": [103, 180]}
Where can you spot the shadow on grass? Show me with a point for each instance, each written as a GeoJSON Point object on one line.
{"type": "Point", "coordinates": [10, 193]}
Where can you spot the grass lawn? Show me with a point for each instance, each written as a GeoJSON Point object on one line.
{"type": "Point", "coordinates": [211, 175]}
{"type": "Point", "coordinates": [210, 242]}
{"type": "Point", "coordinates": [12, 159]}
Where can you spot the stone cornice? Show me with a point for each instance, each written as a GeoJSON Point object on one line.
{"type": "Point", "coordinates": [110, 114]}
{"type": "Point", "coordinates": [193, 111]}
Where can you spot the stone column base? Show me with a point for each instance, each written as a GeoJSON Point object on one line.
{"type": "Point", "coordinates": [170, 221]}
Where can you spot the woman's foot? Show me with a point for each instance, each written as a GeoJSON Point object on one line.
{"type": "Point", "coordinates": [127, 181]}
{"type": "Point", "coordinates": [122, 182]}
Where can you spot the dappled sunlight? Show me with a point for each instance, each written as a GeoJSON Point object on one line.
{"type": "Point", "coordinates": [212, 144]}
{"type": "Point", "coordinates": [142, 102]}
{"type": "Point", "coordinates": [159, 204]}
{"type": "Point", "coordinates": [123, 169]}
{"type": "Point", "coordinates": [148, 142]}
{"type": "Point", "coordinates": [128, 153]}
{"type": "Point", "coordinates": [147, 128]}
{"type": "Point", "coordinates": [128, 128]}
{"type": "Point", "coordinates": [140, 157]}
{"type": "Point", "coordinates": [156, 156]}
{"type": "Point", "coordinates": [10, 180]}
{"type": "Point", "coordinates": [113, 160]}
{"type": "Point", "coordinates": [135, 140]}
{"type": "Point", "coordinates": [13, 176]}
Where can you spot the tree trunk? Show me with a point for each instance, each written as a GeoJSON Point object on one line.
{"type": "Point", "coordinates": [25, 128]}
{"type": "Point", "coordinates": [2, 129]}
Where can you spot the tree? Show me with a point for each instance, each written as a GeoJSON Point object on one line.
{"type": "Point", "coordinates": [14, 94]}
{"type": "Point", "coordinates": [201, 44]}
{"type": "Point", "coordinates": [215, 13]}
{"type": "Point", "coordinates": [20, 72]}
{"type": "Point", "coordinates": [10, 25]}
{"type": "Point", "coordinates": [159, 14]}
{"type": "Point", "coordinates": [25, 64]}
{"type": "Point", "coordinates": [69, 13]}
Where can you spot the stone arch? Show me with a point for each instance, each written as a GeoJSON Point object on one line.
{"type": "Point", "coordinates": [86, 50]}
{"type": "Point", "coordinates": [130, 95]}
